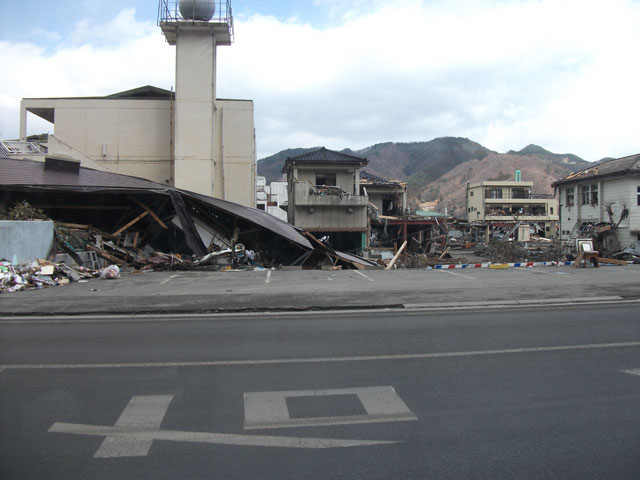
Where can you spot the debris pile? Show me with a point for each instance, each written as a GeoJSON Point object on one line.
{"type": "Point", "coordinates": [324, 190]}
{"type": "Point", "coordinates": [41, 274]}
{"type": "Point", "coordinates": [539, 250]}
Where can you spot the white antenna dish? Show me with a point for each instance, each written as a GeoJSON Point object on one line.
{"type": "Point", "coordinates": [199, 10]}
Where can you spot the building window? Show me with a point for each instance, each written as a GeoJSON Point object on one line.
{"type": "Point", "coordinates": [494, 193]}
{"type": "Point", "coordinates": [518, 193]}
{"type": "Point", "coordinates": [551, 210]}
{"type": "Point", "coordinates": [638, 200]}
{"type": "Point", "coordinates": [328, 179]}
{"type": "Point", "coordinates": [570, 197]}
{"type": "Point", "coordinates": [589, 194]}
{"type": "Point", "coordinates": [471, 193]}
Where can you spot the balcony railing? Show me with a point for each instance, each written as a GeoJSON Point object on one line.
{"type": "Point", "coordinates": [515, 212]}
{"type": "Point", "coordinates": [517, 196]}
{"type": "Point", "coordinates": [323, 195]}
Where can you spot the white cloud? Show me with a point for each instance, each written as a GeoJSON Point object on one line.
{"type": "Point", "coordinates": [95, 60]}
{"type": "Point", "coordinates": [559, 73]}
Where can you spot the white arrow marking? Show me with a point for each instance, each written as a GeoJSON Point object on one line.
{"type": "Point", "coordinates": [635, 371]}
{"type": "Point", "coordinates": [149, 435]}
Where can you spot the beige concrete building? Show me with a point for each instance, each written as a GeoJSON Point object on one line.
{"type": "Point", "coordinates": [507, 203]}
{"type": "Point", "coordinates": [191, 139]}
{"type": "Point", "coordinates": [324, 197]}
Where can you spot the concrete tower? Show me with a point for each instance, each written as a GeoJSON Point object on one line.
{"type": "Point", "coordinates": [197, 28]}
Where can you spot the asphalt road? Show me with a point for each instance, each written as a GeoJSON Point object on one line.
{"type": "Point", "coordinates": [544, 393]}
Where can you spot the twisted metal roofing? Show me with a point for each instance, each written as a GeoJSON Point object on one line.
{"type": "Point", "coordinates": [32, 175]}
{"type": "Point", "coordinates": [608, 168]}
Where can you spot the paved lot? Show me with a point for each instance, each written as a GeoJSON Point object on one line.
{"type": "Point", "coordinates": [300, 290]}
{"type": "Point", "coordinates": [544, 393]}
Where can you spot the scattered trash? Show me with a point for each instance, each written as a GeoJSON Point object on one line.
{"type": "Point", "coordinates": [110, 272]}
{"type": "Point", "coordinates": [39, 274]}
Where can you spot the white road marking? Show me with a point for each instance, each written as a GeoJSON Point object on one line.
{"type": "Point", "coordinates": [530, 270]}
{"type": "Point", "coordinates": [363, 275]}
{"type": "Point", "coordinates": [167, 280]}
{"type": "Point", "coordinates": [268, 279]}
{"type": "Point", "coordinates": [635, 371]}
{"type": "Point", "coordinates": [284, 361]}
{"type": "Point", "coordinates": [203, 317]}
{"type": "Point", "coordinates": [513, 303]}
{"type": "Point", "coordinates": [143, 413]}
{"type": "Point", "coordinates": [146, 435]}
{"type": "Point", "coordinates": [269, 409]}
{"type": "Point", "coordinates": [456, 274]}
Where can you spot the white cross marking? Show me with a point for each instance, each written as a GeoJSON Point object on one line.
{"type": "Point", "coordinates": [139, 425]}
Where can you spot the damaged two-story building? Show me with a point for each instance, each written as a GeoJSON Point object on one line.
{"type": "Point", "coordinates": [325, 199]}
{"type": "Point", "coordinates": [602, 202]}
{"type": "Point", "coordinates": [506, 206]}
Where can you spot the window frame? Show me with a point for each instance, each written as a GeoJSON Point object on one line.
{"type": "Point", "coordinates": [494, 193]}
{"type": "Point", "coordinates": [324, 175]}
{"type": "Point", "coordinates": [589, 195]}
{"type": "Point", "coordinates": [570, 197]}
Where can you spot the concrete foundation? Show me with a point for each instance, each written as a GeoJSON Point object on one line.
{"type": "Point", "coordinates": [24, 241]}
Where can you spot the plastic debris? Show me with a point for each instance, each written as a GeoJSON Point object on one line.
{"type": "Point", "coordinates": [110, 272]}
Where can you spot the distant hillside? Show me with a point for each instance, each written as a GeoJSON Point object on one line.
{"type": "Point", "coordinates": [415, 163]}
{"type": "Point", "coordinates": [421, 162]}
{"type": "Point", "coordinates": [573, 162]}
{"type": "Point", "coordinates": [438, 170]}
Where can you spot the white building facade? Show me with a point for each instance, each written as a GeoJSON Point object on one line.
{"type": "Point", "coordinates": [609, 193]}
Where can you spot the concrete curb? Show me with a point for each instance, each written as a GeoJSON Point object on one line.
{"type": "Point", "coordinates": [507, 303]}
{"type": "Point", "coordinates": [291, 310]}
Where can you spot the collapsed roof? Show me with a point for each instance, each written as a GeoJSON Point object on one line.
{"type": "Point", "coordinates": [609, 168]}
{"type": "Point", "coordinates": [367, 178]}
{"type": "Point", "coordinates": [68, 192]}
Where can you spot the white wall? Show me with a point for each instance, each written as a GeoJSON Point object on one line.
{"type": "Point", "coordinates": [135, 133]}
{"type": "Point", "coordinates": [235, 173]}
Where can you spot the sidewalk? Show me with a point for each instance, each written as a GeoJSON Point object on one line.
{"type": "Point", "coordinates": [278, 290]}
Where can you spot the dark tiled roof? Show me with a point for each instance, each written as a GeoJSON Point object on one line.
{"type": "Point", "coordinates": [324, 155]}
{"type": "Point", "coordinates": [609, 168]}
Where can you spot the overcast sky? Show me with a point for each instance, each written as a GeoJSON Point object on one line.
{"type": "Point", "coordinates": [352, 73]}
